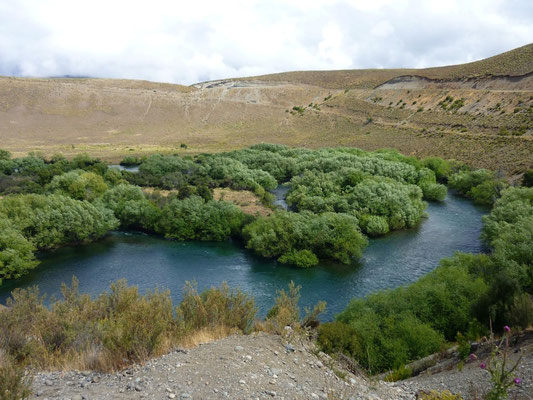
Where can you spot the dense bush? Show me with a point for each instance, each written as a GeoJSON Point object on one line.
{"type": "Point", "coordinates": [196, 219]}
{"type": "Point", "coordinates": [285, 236]}
{"type": "Point", "coordinates": [464, 294]}
{"type": "Point", "coordinates": [79, 185]}
{"type": "Point", "coordinates": [52, 221]}
{"type": "Point", "coordinates": [527, 179]}
{"type": "Point", "coordinates": [399, 205]}
{"type": "Point", "coordinates": [515, 204]}
{"type": "Point", "coordinates": [480, 185]}
{"type": "Point", "coordinates": [439, 166]}
{"type": "Point", "coordinates": [16, 252]}
{"type": "Point", "coordinates": [131, 207]}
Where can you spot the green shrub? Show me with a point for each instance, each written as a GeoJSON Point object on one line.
{"type": "Point", "coordinates": [131, 207]}
{"type": "Point", "coordinates": [527, 178]}
{"type": "Point", "coordinates": [399, 374]}
{"type": "Point", "coordinates": [16, 252]}
{"type": "Point", "coordinates": [338, 337]}
{"type": "Point", "coordinates": [285, 234]}
{"type": "Point", "coordinates": [434, 191]}
{"type": "Point", "coordinates": [374, 225]}
{"type": "Point", "coordinates": [79, 185]}
{"type": "Point", "coordinates": [54, 220]}
{"type": "Point", "coordinates": [194, 218]}
{"type": "Point", "coordinates": [300, 258]}
{"type": "Point", "coordinates": [4, 155]}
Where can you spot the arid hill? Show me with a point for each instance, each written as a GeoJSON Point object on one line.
{"type": "Point", "coordinates": [479, 112]}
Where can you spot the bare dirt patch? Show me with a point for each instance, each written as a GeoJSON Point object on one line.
{"type": "Point", "coordinates": [248, 202]}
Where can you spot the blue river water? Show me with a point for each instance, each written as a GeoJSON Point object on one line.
{"type": "Point", "coordinates": [149, 261]}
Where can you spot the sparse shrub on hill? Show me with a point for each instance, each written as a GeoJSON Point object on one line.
{"type": "Point", "coordinates": [215, 307]}
{"type": "Point", "coordinates": [15, 384]}
{"type": "Point", "coordinates": [116, 329]}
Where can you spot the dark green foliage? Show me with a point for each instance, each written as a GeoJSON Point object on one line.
{"type": "Point", "coordinates": [463, 290]}
{"type": "Point", "coordinates": [374, 225]}
{"type": "Point", "coordinates": [79, 185]}
{"type": "Point", "coordinates": [515, 204]}
{"type": "Point", "coordinates": [131, 207]}
{"type": "Point", "coordinates": [327, 236]}
{"type": "Point", "coordinates": [7, 166]}
{"type": "Point", "coordinates": [130, 161]}
{"type": "Point", "coordinates": [16, 252]}
{"type": "Point", "coordinates": [4, 154]}
{"type": "Point", "coordinates": [480, 185]}
{"type": "Point", "coordinates": [301, 258]}
{"type": "Point", "coordinates": [433, 191]}
{"type": "Point", "coordinates": [196, 219]}
{"type": "Point", "coordinates": [527, 179]}
{"type": "Point", "coordinates": [400, 205]}
{"type": "Point", "coordinates": [52, 221]}
{"type": "Point", "coordinates": [338, 337]}
{"type": "Point", "coordinates": [399, 326]}
{"type": "Point", "coordinates": [16, 184]}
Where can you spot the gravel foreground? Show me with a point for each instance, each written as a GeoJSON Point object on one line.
{"type": "Point", "coordinates": [263, 366]}
{"type": "Point", "coordinates": [258, 366]}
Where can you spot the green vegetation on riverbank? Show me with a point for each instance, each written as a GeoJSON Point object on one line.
{"type": "Point", "coordinates": [464, 295]}
{"type": "Point", "coordinates": [336, 194]}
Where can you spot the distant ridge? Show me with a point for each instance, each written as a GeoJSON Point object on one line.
{"type": "Point", "coordinates": [511, 63]}
{"type": "Point", "coordinates": [479, 113]}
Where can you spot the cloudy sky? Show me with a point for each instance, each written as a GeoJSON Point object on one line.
{"type": "Point", "coordinates": [194, 40]}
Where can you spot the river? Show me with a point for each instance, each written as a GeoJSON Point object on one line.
{"type": "Point", "coordinates": [149, 261]}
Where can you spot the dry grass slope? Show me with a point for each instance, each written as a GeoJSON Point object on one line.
{"type": "Point", "coordinates": [485, 126]}
{"type": "Point", "coordinates": [515, 62]}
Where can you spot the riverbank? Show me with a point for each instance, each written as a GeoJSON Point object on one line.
{"type": "Point", "coordinates": [453, 225]}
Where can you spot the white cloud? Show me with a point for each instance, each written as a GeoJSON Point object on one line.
{"type": "Point", "coordinates": [186, 41]}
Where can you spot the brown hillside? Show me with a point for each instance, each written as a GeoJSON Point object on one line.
{"type": "Point", "coordinates": [515, 62]}
{"type": "Point", "coordinates": [485, 121]}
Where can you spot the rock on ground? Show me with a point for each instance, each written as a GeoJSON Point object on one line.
{"type": "Point", "coordinates": [258, 366]}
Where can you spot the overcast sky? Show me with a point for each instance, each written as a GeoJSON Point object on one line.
{"type": "Point", "coordinates": [194, 40]}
